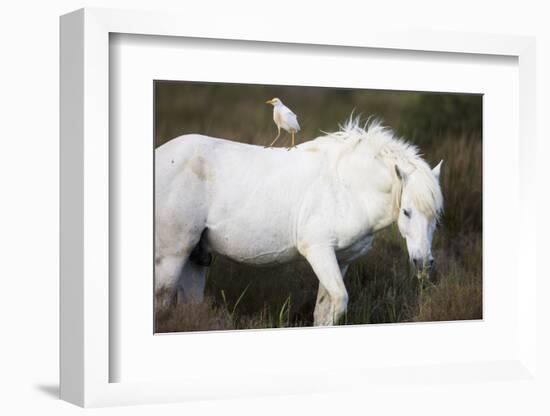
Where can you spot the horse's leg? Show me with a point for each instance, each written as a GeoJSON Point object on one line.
{"type": "Point", "coordinates": [168, 269]}
{"type": "Point", "coordinates": [191, 283]}
{"type": "Point", "coordinates": [193, 276]}
{"type": "Point", "coordinates": [173, 263]}
{"type": "Point", "coordinates": [322, 305]}
{"type": "Point", "coordinates": [323, 261]}
{"type": "Point", "coordinates": [183, 280]}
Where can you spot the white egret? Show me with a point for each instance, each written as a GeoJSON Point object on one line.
{"type": "Point", "coordinates": [284, 118]}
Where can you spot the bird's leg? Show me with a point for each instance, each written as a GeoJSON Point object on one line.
{"type": "Point", "coordinates": [293, 145]}
{"type": "Point", "coordinates": [278, 134]}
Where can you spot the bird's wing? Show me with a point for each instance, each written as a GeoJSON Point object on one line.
{"type": "Point", "coordinates": [287, 111]}
{"type": "Point", "coordinates": [291, 118]}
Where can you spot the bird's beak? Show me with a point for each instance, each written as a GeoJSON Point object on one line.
{"type": "Point", "coordinates": [269, 102]}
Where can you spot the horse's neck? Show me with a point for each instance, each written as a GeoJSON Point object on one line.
{"type": "Point", "coordinates": [374, 184]}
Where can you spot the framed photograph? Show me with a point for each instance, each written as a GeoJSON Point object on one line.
{"type": "Point", "coordinates": [248, 260]}
{"type": "Point", "coordinates": [236, 210]}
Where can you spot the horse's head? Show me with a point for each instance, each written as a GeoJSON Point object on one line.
{"type": "Point", "coordinates": [420, 206]}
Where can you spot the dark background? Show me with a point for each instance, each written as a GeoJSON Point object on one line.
{"type": "Point", "coordinates": [443, 125]}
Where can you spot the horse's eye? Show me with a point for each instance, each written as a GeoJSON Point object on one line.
{"type": "Point", "coordinates": [407, 213]}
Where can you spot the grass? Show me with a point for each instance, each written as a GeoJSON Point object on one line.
{"type": "Point", "coordinates": [380, 285]}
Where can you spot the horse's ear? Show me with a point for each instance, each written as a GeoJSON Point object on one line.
{"type": "Point", "coordinates": [437, 170]}
{"type": "Point", "coordinates": [400, 173]}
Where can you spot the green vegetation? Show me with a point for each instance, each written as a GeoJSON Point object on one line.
{"type": "Point", "coordinates": [381, 289]}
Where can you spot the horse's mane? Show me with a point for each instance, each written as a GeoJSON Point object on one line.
{"type": "Point", "coordinates": [384, 144]}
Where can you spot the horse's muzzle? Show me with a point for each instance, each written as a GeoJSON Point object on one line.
{"type": "Point", "coordinates": [422, 268]}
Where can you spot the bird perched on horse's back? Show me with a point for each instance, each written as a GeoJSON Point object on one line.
{"type": "Point", "coordinates": [284, 118]}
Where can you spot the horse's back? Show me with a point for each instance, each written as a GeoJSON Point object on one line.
{"type": "Point", "coordinates": [223, 165]}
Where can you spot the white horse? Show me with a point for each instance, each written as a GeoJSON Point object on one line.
{"type": "Point", "coordinates": [324, 201]}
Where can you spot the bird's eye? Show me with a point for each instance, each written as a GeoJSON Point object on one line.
{"type": "Point", "coordinates": [407, 213]}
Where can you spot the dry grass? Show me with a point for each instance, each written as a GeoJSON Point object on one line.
{"type": "Point", "coordinates": [450, 301]}
{"type": "Point", "coordinates": [380, 285]}
{"type": "Point", "coordinates": [458, 293]}
{"type": "Point", "coordinates": [201, 317]}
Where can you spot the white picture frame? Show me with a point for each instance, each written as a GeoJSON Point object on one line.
{"type": "Point", "coordinates": [85, 222]}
